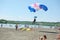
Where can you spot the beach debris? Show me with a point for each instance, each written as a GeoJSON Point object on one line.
{"type": "Point", "coordinates": [25, 29]}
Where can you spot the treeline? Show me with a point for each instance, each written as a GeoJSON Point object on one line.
{"type": "Point", "coordinates": [30, 22]}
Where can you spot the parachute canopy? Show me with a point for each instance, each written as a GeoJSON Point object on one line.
{"type": "Point", "coordinates": [35, 7]}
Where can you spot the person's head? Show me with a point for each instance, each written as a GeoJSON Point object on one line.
{"type": "Point", "coordinates": [45, 36]}
{"type": "Point", "coordinates": [58, 36]}
{"type": "Point", "coordinates": [41, 38]}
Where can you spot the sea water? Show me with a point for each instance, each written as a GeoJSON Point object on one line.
{"type": "Point", "coordinates": [23, 25]}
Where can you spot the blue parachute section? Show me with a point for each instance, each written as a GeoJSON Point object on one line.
{"type": "Point", "coordinates": [31, 9]}
{"type": "Point", "coordinates": [43, 7]}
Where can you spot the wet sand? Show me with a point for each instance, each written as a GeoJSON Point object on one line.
{"type": "Point", "coordinates": [12, 34]}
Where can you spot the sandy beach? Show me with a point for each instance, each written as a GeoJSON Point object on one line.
{"type": "Point", "coordinates": [12, 34]}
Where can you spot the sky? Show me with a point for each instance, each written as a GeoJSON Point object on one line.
{"type": "Point", "coordinates": [17, 10]}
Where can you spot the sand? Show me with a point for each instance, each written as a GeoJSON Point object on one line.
{"type": "Point", "coordinates": [12, 34]}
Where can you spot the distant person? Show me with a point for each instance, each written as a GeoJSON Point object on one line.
{"type": "Point", "coordinates": [16, 26]}
{"type": "Point", "coordinates": [59, 28]}
{"type": "Point", "coordinates": [26, 26]}
{"type": "Point", "coordinates": [34, 20]}
{"type": "Point", "coordinates": [1, 25]}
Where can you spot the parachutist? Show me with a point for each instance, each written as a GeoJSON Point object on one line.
{"type": "Point", "coordinates": [34, 20]}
